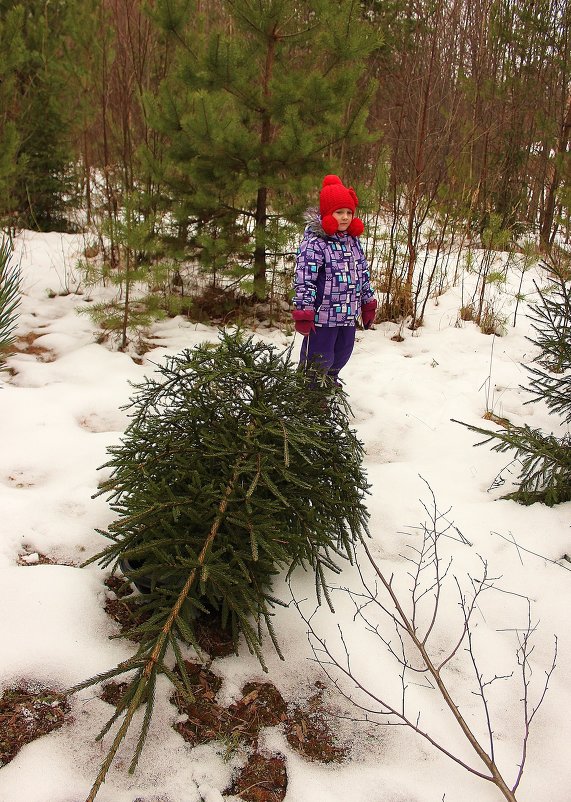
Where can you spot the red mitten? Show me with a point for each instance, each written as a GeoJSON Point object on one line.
{"type": "Point", "coordinates": [304, 320]}
{"type": "Point", "coordinates": [368, 312]}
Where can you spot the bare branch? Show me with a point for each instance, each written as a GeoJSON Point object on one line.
{"type": "Point", "coordinates": [379, 602]}
{"type": "Point", "coordinates": [520, 548]}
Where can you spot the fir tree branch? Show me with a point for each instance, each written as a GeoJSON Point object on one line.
{"type": "Point", "coordinates": [146, 679]}
{"type": "Point", "coordinates": [545, 473]}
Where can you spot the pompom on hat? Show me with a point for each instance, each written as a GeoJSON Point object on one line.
{"type": "Point", "coordinates": [334, 195]}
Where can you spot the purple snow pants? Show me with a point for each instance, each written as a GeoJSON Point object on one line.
{"type": "Point", "coordinates": [328, 348]}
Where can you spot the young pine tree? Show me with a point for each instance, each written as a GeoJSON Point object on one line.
{"type": "Point", "coordinates": [40, 120]}
{"type": "Point", "coordinates": [9, 296]}
{"type": "Point", "coordinates": [545, 459]}
{"type": "Point", "coordinates": [133, 309]}
{"type": "Point", "coordinates": [233, 468]}
{"type": "Point", "coordinates": [260, 97]}
{"type": "Point", "coordinates": [13, 57]}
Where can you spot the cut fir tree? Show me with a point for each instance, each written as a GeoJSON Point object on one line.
{"type": "Point", "coordinates": [235, 467]}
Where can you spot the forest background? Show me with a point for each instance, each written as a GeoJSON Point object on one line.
{"type": "Point", "coordinates": [188, 137]}
{"type": "Point", "coordinates": [182, 141]}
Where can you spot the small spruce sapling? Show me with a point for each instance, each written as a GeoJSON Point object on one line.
{"type": "Point", "coordinates": [545, 459]}
{"type": "Point", "coordinates": [9, 297]}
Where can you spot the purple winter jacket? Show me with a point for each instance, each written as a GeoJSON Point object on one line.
{"type": "Point", "coordinates": [331, 275]}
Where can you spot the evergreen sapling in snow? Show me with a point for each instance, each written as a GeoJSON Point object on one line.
{"type": "Point", "coordinates": [544, 459]}
{"type": "Point", "coordinates": [9, 296]}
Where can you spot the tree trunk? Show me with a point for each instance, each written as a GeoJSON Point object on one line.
{"type": "Point", "coordinates": [260, 286]}
{"type": "Point", "coordinates": [419, 168]}
{"type": "Point", "coordinates": [555, 179]}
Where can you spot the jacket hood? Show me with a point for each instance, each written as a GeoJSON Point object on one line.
{"type": "Point", "coordinates": [313, 222]}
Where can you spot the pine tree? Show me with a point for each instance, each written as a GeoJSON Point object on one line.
{"type": "Point", "coordinates": [13, 56]}
{"type": "Point", "coordinates": [132, 310]}
{"type": "Point", "coordinates": [262, 96]}
{"type": "Point", "coordinates": [234, 467]}
{"type": "Point", "coordinates": [39, 121]}
{"type": "Point", "coordinates": [545, 459]}
{"type": "Point", "coordinates": [9, 296]}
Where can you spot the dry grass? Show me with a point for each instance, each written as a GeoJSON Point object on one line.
{"type": "Point", "coordinates": [490, 322]}
{"type": "Point", "coordinates": [467, 312]}
{"type": "Point", "coordinates": [496, 419]}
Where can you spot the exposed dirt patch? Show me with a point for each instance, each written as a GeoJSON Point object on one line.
{"type": "Point", "coordinates": [262, 779]}
{"type": "Point", "coordinates": [27, 345]}
{"type": "Point", "coordinates": [119, 585]}
{"type": "Point", "coordinates": [261, 705]}
{"type": "Point", "coordinates": [126, 606]}
{"type": "Point", "coordinates": [29, 558]}
{"type": "Point", "coordinates": [127, 613]}
{"type": "Point", "coordinates": [203, 682]}
{"type": "Point", "coordinates": [206, 720]}
{"type": "Point", "coordinates": [308, 729]}
{"type": "Point", "coordinates": [27, 714]}
{"type": "Point", "coordinates": [112, 692]}
{"type": "Point", "coordinates": [310, 734]}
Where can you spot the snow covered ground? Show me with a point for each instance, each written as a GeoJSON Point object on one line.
{"type": "Point", "coordinates": [59, 412]}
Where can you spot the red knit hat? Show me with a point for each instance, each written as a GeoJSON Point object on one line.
{"type": "Point", "coordinates": [334, 195]}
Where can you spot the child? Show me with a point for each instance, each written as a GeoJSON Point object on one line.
{"type": "Point", "coordinates": [332, 284]}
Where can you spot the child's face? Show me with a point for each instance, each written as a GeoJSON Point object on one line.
{"type": "Point", "coordinates": [343, 217]}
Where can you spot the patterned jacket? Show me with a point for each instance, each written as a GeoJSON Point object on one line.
{"type": "Point", "coordinates": [331, 275]}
